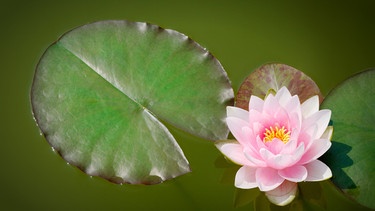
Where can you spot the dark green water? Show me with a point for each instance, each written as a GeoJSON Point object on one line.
{"type": "Point", "coordinates": [328, 41]}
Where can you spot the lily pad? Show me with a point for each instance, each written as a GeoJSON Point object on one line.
{"type": "Point", "coordinates": [273, 76]}
{"type": "Point", "coordinates": [351, 156]}
{"type": "Point", "coordinates": [101, 93]}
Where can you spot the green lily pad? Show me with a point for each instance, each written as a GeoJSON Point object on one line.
{"type": "Point", "coordinates": [273, 76]}
{"type": "Point", "coordinates": [351, 156]}
{"type": "Point", "coordinates": [102, 92]}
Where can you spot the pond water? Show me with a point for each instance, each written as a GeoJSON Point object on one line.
{"type": "Point", "coordinates": [328, 41]}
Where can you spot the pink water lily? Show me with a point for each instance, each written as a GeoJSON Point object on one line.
{"type": "Point", "coordinates": [279, 141]}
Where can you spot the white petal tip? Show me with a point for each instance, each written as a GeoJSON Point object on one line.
{"type": "Point", "coordinates": [317, 171]}
{"type": "Point", "coordinates": [281, 200]}
{"type": "Point", "coordinates": [327, 174]}
{"type": "Point", "coordinates": [284, 194]}
{"type": "Point", "coordinates": [245, 178]}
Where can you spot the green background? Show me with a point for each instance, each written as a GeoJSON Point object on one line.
{"type": "Point", "coordinates": [329, 41]}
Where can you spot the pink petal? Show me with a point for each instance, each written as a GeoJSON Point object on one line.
{"type": "Point", "coordinates": [283, 96]}
{"type": "Point", "coordinates": [233, 151]}
{"type": "Point", "coordinates": [251, 139]}
{"type": "Point", "coordinates": [310, 106]}
{"type": "Point", "coordinates": [268, 179]}
{"type": "Point", "coordinates": [294, 173]}
{"type": "Point", "coordinates": [307, 134]}
{"type": "Point", "coordinates": [294, 105]}
{"type": "Point", "coordinates": [281, 116]}
{"type": "Point", "coordinates": [258, 119]}
{"type": "Point", "coordinates": [260, 143]}
{"type": "Point", "coordinates": [276, 161]}
{"type": "Point", "coordinates": [284, 194]}
{"type": "Point", "coordinates": [245, 178]}
{"type": "Point", "coordinates": [295, 120]}
{"type": "Point", "coordinates": [320, 119]}
{"type": "Point", "coordinates": [281, 161]}
{"type": "Point", "coordinates": [270, 105]}
{"type": "Point", "coordinates": [254, 158]}
{"type": "Point", "coordinates": [317, 171]}
{"type": "Point", "coordinates": [256, 103]}
{"type": "Point", "coordinates": [235, 126]}
{"type": "Point", "coordinates": [317, 149]}
{"type": "Point", "coordinates": [275, 146]}
{"type": "Point", "coordinates": [238, 112]}
{"type": "Point", "coordinates": [291, 145]}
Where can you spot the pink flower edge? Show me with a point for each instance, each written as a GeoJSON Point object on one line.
{"type": "Point", "coordinates": [278, 142]}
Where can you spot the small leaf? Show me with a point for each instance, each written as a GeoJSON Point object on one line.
{"type": "Point", "coordinates": [102, 91]}
{"type": "Point", "coordinates": [351, 156]}
{"type": "Point", "coordinates": [273, 77]}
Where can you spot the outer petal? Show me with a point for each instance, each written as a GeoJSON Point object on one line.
{"type": "Point", "coordinates": [317, 149]}
{"type": "Point", "coordinates": [235, 126]}
{"type": "Point", "coordinates": [245, 178]}
{"type": "Point", "coordinates": [268, 179]}
{"type": "Point", "coordinates": [310, 106]}
{"type": "Point", "coordinates": [271, 104]}
{"type": "Point", "coordinates": [251, 139]}
{"type": "Point", "coordinates": [317, 171]}
{"type": "Point", "coordinates": [294, 105]}
{"type": "Point", "coordinates": [283, 96]}
{"type": "Point", "coordinates": [295, 119]}
{"type": "Point", "coordinates": [294, 173]}
{"type": "Point", "coordinates": [306, 136]}
{"type": "Point", "coordinates": [284, 194]}
{"type": "Point", "coordinates": [234, 151]}
{"type": "Point", "coordinates": [256, 103]}
{"type": "Point", "coordinates": [321, 119]}
{"type": "Point", "coordinates": [238, 112]}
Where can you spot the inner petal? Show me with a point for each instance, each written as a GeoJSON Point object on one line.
{"type": "Point", "coordinates": [275, 146]}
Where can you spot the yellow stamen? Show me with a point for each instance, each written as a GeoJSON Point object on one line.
{"type": "Point", "coordinates": [276, 132]}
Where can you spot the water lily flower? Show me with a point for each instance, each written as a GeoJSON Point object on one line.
{"type": "Point", "coordinates": [278, 143]}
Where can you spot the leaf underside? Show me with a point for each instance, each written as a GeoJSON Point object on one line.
{"type": "Point", "coordinates": [274, 76]}
{"type": "Point", "coordinates": [351, 156]}
{"type": "Point", "coordinates": [102, 91]}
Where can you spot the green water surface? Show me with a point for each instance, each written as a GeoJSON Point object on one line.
{"type": "Point", "coordinates": [329, 41]}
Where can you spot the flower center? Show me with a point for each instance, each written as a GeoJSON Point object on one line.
{"type": "Point", "coordinates": [276, 132]}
